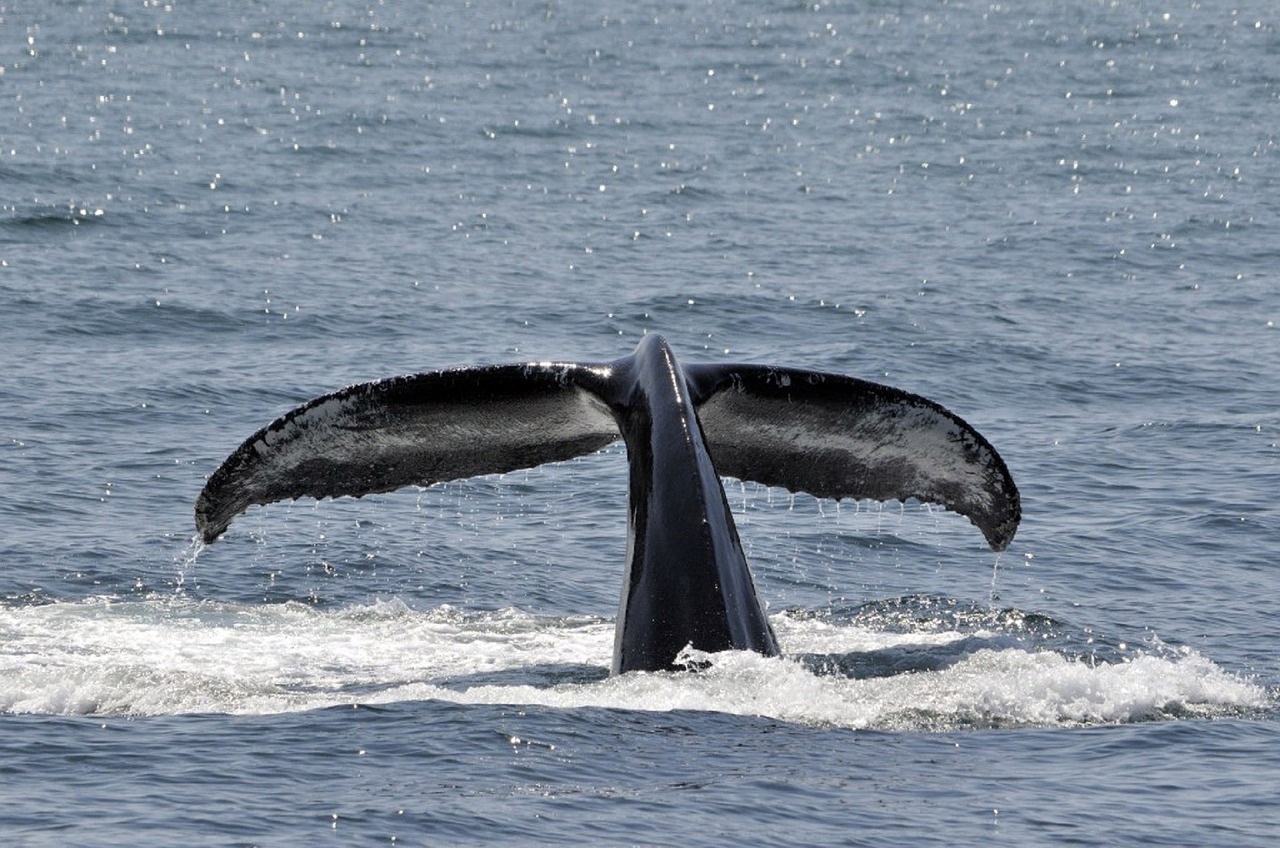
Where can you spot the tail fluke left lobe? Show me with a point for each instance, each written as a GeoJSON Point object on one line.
{"type": "Point", "coordinates": [413, 430]}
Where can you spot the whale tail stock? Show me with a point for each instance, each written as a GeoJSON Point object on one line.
{"type": "Point", "coordinates": [687, 579]}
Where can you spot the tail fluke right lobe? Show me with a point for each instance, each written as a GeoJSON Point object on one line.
{"type": "Point", "coordinates": [840, 437]}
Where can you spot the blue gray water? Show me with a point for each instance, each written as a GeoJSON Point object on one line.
{"type": "Point", "coordinates": [1060, 220]}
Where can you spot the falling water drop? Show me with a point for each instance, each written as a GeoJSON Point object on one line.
{"type": "Point", "coordinates": [186, 562]}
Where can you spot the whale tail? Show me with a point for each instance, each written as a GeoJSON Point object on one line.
{"type": "Point", "coordinates": [824, 434]}
{"type": "Point", "coordinates": [687, 579]}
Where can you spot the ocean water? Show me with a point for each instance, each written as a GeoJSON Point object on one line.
{"type": "Point", "coordinates": [1062, 221]}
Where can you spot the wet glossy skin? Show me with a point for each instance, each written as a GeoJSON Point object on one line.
{"type": "Point", "coordinates": [687, 580]}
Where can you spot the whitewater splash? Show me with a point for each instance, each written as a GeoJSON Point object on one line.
{"type": "Point", "coordinates": [177, 656]}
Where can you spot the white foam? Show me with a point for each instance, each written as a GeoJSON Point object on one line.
{"type": "Point", "coordinates": [179, 656]}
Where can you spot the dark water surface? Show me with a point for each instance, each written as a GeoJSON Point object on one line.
{"type": "Point", "coordinates": [1061, 223]}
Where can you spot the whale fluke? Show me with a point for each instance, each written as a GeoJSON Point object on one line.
{"type": "Point", "coordinates": [412, 431]}
{"type": "Point", "coordinates": [834, 436]}
{"type": "Point", "coordinates": [687, 580]}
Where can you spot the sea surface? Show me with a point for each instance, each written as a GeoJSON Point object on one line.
{"type": "Point", "coordinates": [1060, 220]}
